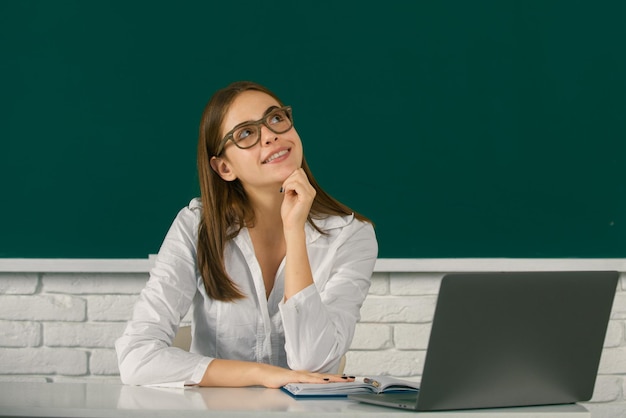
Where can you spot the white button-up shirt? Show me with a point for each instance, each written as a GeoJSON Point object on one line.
{"type": "Point", "coordinates": [309, 331]}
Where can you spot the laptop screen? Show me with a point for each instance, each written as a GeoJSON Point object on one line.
{"type": "Point", "coordinates": [515, 339]}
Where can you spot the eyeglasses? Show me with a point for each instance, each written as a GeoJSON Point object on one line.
{"type": "Point", "coordinates": [248, 134]}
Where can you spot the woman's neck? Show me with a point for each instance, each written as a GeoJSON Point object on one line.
{"type": "Point", "coordinates": [266, 207]}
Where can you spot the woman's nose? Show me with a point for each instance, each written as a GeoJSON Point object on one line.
{"type": "Point", "coordinates": [267, 136]}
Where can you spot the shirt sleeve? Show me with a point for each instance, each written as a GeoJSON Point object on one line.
{"type": "Point", "coordinates": [144, 351]}
{"type": "Point", "coordinates": [319, 321]}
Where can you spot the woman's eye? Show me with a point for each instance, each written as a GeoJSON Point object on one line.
{"type": "Point", "coordinates": [243, 133]}
{"type": "Point", "coordinates": [276, 118]}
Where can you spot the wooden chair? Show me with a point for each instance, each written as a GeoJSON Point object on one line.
{"type": "Point", "coordinates": [182, 339]}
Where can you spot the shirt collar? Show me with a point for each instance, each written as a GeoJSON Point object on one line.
{"type": "Point", "coordinates": [326, 224]}
{"type": "Point", "coordinates": [312, 234]}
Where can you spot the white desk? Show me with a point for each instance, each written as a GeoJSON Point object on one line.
{"type": "Point", "coordinates": [97, 400]}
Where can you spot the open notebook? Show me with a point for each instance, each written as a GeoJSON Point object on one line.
{"type": "Point", "coordinates": [372, 384]}
{"type": "Point", "coordinates": [512, 339]}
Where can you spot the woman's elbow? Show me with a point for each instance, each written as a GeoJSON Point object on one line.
{"type": "Point", "coordinates": [129, 367]}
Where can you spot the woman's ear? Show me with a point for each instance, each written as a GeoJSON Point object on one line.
{"type": "Point", "coordinates": [222, 168]}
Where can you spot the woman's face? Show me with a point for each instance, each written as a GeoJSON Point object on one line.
{"type": "Point", "coordinates": [266, 164]}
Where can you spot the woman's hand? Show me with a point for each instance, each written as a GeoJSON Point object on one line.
{"type": "Point", "coordinates": [280, 377]}
{"type": "Point", "coordinates": [234, 373]}
{"type": "Point", "coordinates": [299, 195]}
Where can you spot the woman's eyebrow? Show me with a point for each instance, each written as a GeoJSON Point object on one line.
{"type": "Point", "coordinates": [270, 110]}
{"type": "Point", "coordinates": [267, 112]}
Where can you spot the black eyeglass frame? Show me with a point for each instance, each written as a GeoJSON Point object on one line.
{"type": "Point", "coordinates": [262, 121]}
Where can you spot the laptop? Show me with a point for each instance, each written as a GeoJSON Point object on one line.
{"type": "Point", "coordinates": [512, 339]}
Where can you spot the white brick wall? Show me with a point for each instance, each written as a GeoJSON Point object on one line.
{"type": "Point", "coordinates": [60, 326]}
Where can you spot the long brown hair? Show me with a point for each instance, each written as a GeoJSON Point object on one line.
{"type": "Point", "coordinates": [226, 208]}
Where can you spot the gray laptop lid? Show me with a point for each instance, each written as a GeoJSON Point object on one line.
{"type": "Point", "coordinates": [515, 339]}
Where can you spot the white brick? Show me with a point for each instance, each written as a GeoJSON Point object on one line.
{"type": "Point", "coordinates": [393, 363]}
{"type": "Point", "coordinates": [614, 333]}
{"type": "Point", "coordinates": [398, 309]}
{"type": "Point", "coordinates": [607, 389]}
{"type": "Point", "coordinates": [20, 334]}
{"type": "Point", "coordinates": [608, 410]}
{"type": "Point", "coordinates": [82, 284]}
{"type": "Point", "coordinates": [103, 362]}
{"type": "Point", "coordinates": [83, 334]}
{"type": "Point", "coordinates": [379, 284]}
{"type": "Point", "coordinates": [414, 283]}
{"type": "Point", "coordinates": [110, 307]}
{"type": "Point", "coordinates": [371, 337]}
{"type": "Point", "coordinates": [43, 361]}
{"type": "Point", "coordinates": [18, 283]}
{"type": "Point", "coordinates": [411, 336]}
{"type": "Point", "coordinates": [43, 308]}
{"type": "Point", "coordinates": [613, 361]}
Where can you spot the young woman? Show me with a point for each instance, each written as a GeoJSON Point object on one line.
{"type": "Point", "coordinates": [274, 269]}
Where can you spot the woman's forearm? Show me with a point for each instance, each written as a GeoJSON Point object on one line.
{"type": "Point", "coordinates": [234, 373]}
{"type": "Point", "coordinates": [298, 274]}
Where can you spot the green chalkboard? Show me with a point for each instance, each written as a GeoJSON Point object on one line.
{"type": "Point", "coordinates": [461, 128]}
